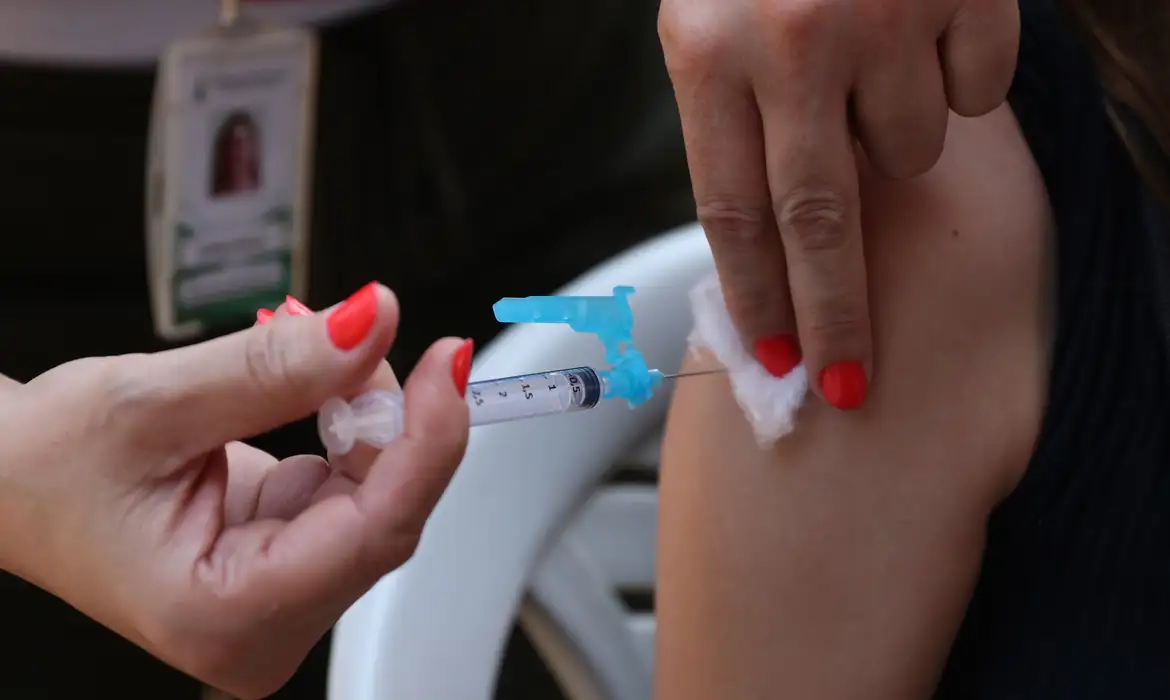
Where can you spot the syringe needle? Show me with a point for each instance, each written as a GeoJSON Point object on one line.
{"type": "Point", "coordinates": [697, 373]}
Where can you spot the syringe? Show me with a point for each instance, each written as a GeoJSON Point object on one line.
{"type": "Point", "coordinates": [375, 418]}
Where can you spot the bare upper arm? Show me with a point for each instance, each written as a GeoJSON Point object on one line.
{"type": "Point", "coordinates": [839, 563]}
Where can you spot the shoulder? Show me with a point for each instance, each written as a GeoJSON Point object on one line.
{"type": "Point", "coordinates": [959, 261]}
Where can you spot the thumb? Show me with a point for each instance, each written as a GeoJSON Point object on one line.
{"type": "Point", "coordinates": [256, 380]}
{"type": "Point", "coordinates": [316, 565]}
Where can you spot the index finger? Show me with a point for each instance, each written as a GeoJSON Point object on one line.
{"type": "Point", "coordinates": [812, 174]}
{"type": "Point", "coordinates": [725, 152]}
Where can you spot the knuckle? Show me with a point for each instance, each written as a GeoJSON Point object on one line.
{"type": "Point", "coordinates": [693, 41]}
{"type": "Point", "coordinates": [797, 24]}
{"type": "Point", "coordinates": [887, 20]}
{"type": "Point", "coordinates": [267, 361]}
{"type": "Point", "coordinates": [734, 221]}
{"type": "Point", "coordinates": [814, 218]}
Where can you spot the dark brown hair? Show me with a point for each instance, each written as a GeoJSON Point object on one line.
{"type": "Point", "coordinates": [1130, 43]}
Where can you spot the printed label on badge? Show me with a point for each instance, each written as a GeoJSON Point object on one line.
{"type": "Point", "coordinates": [229, 176]}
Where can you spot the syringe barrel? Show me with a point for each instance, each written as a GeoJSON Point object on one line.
{"type": "Point", "coordinates": [531, 395]}
{"type": "Point", "coordinates": [376, 417]}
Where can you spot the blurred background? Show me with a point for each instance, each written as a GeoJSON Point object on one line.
{"type": "Point", "coordinates": [454, 137]}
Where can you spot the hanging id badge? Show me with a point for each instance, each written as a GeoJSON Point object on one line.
{"type": "Point", "coordinates": [229, 174]}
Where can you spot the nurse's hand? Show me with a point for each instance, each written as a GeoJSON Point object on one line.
{"type": "Point", "coordinates": [774, 95]}
{"type": "Point", "coordinates": [123, 491]}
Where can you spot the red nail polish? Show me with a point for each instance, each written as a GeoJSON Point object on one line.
{"type": "Point", "coordinates": [461, 366]}
{"type": "Point", "coordinates": [779, 354]}
{"type": "Point", "coordinates": [351, 322]}
{"type": "Point", "coordinates": [263, 316]}
{"type": "Point", "coordinates": [296, 308]}
{"type": "Point", "coordinates": [843, 385]}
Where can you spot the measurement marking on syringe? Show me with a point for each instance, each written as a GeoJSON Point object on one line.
{"type": "Point", "coordinates": [376, 416]}
{"type": "Point", "coordinates": [545, 393]}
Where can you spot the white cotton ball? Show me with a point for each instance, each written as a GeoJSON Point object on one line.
{"type": "Point", "coordinates": [769, 403]}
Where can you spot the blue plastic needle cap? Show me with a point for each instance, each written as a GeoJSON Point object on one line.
{"type": "Point", "coordinates": [610, 319]}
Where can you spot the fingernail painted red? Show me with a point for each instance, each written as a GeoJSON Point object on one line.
{"type": "Point", "coordinates": [296, 308]}
{"type": "Point", "coordinates": [263, 316]}
{"type": "Point", "coordinates": [779, 354]}
{"type": "Point", "coordinates": [351, 322]}
{"type": "Point", "coordinates": [461, 366]}
{"type": "Point", "coordinates": [843, 385]}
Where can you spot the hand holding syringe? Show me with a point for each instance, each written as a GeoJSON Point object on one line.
{"type": "Point", "coordinates": [375, 418]}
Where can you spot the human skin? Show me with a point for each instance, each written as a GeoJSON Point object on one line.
{"type": "Point", "coordinates": [124, 489]}
{"type": "Point", "coordinates": [774, 95]}
{"type": "Point", "coordinates": [839, 563]}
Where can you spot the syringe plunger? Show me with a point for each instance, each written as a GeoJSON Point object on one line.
{"type": "Point", "coordinates": [375, 418]}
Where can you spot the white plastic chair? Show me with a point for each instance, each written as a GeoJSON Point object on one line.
{"type": "Point", "coordinates": [529, 528]}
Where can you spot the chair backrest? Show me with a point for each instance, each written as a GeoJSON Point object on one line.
{"type": "Point", "coordinates": [582, 612]}
{"type": "Point", "coordinates": [435, 629]}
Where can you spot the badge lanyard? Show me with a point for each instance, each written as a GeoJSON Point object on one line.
{"type": "Point", "coordinates": [229, 173]}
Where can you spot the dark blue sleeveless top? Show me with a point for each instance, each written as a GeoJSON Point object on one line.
{"type": "Point", "coordinates": [1074, 596]}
